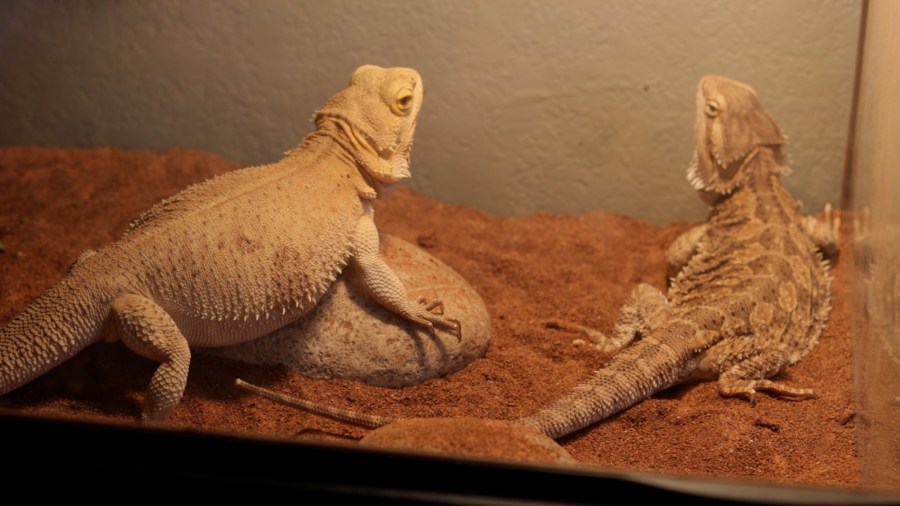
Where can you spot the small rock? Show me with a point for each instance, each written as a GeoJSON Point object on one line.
{"type": "Point", "coordinates": [350, 336]}
{"type": "Point", "coordinates": [465, 437]}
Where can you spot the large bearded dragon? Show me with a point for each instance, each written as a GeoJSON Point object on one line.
{"type": "Point", "coordinates": [240, 255]}
{"type": "Point", "coordinates": [751, 296]}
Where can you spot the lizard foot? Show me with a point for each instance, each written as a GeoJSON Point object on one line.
{"type": "Point", "coordinates": [450, 324]}
{"type": "Point", "coordinates": [430, 316]}
{"type": "Point", "coordinates": [748, 388]}
{"type": "Point", "coordinates": [825, 233]}
{"type": "Point", "coordinates": [598, 340]}
{"type": "Point", "coordinates": [436, 306]}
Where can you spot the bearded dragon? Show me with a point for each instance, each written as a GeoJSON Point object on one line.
{"type": "Point", "coordinates": [752, 293]}
{"type": "Point", "coordinates": [240, 255]}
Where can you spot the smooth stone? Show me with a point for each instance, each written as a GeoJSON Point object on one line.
{"type": "Point", "coordinates": [465, 437]}
{"type": "Point", "coordinates": [350, 336]}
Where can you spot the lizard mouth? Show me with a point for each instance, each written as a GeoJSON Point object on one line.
{"type": "Point", "coordinates": [371, 145]}
{"type": "Point", "coordinates": [707, 172]}
{"type": "Point", "coordinates": [715, 176]}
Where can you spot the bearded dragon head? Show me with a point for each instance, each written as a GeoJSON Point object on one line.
{"type": "Point", "coordinates": [377, 115]}
{"type": "Point", "coordinates": [731, 130]}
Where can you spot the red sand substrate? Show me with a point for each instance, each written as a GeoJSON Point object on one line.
{"type": "Point", "coordinates": [55, 203]}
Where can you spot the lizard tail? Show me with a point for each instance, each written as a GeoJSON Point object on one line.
{"type": "Point", "coordinates": [61, 322]}
{"type": "Point", "coordinates": [633, 375]}
{"type": "Point", "coordinates": [341, 415]}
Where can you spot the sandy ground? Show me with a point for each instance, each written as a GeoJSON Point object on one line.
{"type": "Point", "coordinates": [55, 203]}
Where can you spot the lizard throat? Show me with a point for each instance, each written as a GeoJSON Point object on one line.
{"type": "Point", "coordinates": [714, 182]}
{"type": "Point", "coordinates": [382, 165]}
{"type": "Point", "coordinates": [712, 176]}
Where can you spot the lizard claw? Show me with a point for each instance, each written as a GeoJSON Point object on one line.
{"type": "Point", "coordinates": [457, 328]}
{"type": "Point", "coordinates": [436, 306]}
{"type": "Point", "coordinates": [748, 389]}
{"type": "Point", "coordinates": [598, 340]}
{"type": "Point", "coordinates": [432, 315]}
{"type": "Point", "coordinates": [434, 309]}
{"type": "Point", "coordinates": [825, 233]}
{"type": "Point", "coordinates": [450, 324]}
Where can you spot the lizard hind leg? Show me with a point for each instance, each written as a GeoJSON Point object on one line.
{"type": "Point", "coordinates": [748, 376]}
{"type": "Point", "coordinates": [646, 309]}
{"type": "Point", "coordinates": [149, 331]}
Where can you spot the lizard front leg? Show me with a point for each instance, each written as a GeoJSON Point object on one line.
{"type": "Point", "coordinates": [386, 287]}
{"type": "Point", "coordinates": [683, 249]}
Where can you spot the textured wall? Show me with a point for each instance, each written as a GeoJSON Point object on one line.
{"type": "Point", "coordinates": [530, 105]}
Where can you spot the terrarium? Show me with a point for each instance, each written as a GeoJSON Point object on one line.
{"type": "Point", "coordinates": [571, 165]}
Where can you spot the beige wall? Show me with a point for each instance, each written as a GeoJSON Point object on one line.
{"type": "Point", "coordinates": [565, 106]}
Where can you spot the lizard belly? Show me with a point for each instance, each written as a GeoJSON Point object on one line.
{"type": "Point", "coordinates": [201, 332]}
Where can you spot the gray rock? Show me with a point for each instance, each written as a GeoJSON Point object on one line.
{"type": "Point", "coordinates": [465, 437]}
{"type": "Point", "coordinates": [350, 336]}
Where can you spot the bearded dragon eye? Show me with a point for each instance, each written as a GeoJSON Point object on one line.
{"type": "Point", "coordinates": [404, 101]}
{"type": "Point", "coordinates": [712, 109]}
